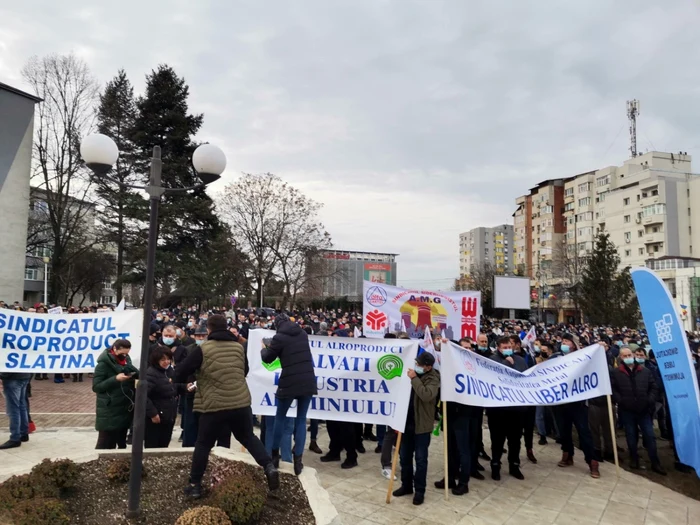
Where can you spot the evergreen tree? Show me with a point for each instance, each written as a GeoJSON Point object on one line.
{"type": "Point", "coordinates": [605, 293]}
{"type": "Point", "coordinates": [124, 212]}
{"type": "Point", "coordinates": [187, 223]}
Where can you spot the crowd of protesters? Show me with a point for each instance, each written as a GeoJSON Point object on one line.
{"type": "Point", "coordinates": [193, 349]}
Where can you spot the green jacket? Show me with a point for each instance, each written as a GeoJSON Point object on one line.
{"type": "Point", "coordinates": [221, 383]}
{"type": "Point", "coordinates": [115, 400]}
{"type": "Point", "coordinates": [425, 389]}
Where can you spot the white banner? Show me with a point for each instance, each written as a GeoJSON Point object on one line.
{"type": "Point", "coordinates": [479, 381]}
{"type": "Point", "coordinates": [390, 308]}
{"type": "Point", "coordinates": [359, 380]}
{"type": "Point", "coordinates": [33, 343]}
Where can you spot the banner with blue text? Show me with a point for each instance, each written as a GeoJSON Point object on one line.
{"type": "Point", "coordinates": [52, 343]}
{"type": "Point", "coordinates": [359, 380]}
{"type": "Point", "coordinates": [673, 356]}
{"type": "Point", "coordinates": [478, 381]}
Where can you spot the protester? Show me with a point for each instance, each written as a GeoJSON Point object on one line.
{"type": "Point", "coordinates": [114, 384]}
{"type": "Point", "coordinates": [635, 392]}
{"type": "Point", "coordinates": [297, 382]}
{"type": "Point", "coordinates": [223, 398]}
{"type": "Point", "coordinates": [506, 423]}
{"type": "Point", "coordinates": [14, 387]}
{"type": "Point", "coordinates": [161, 405]}
{"type": "Point", "coordinates": [425, 384]}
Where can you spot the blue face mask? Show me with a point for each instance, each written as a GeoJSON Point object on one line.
{"type": "Point", "coordinates": [190, 324]}
{"type": "Point", "coordinates": [168, 341]}
{"type": "Point", "coordinates": [565, 349]}
{"type": "Point", "coordinates": [640, 360]}
{"type": "Point", "coordinates": [199, 341]}
{"type": "Point", "coordinates": [483, 349]}
{"type": "Point", "coordinates": [507, 352]}
{"type": "Point", "coordinates": [629, 361]}
{"type": "Point", "coordinates": [419, 370]}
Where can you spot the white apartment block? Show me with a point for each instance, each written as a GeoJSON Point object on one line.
{"type": "Point", "coordinates": [645, 206]}
{"type": "Point", "coordinates": [481, 246]}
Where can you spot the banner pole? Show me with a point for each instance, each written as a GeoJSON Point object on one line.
{"type": "Point", "coordinates": [612, 431]}
{"type": "Point", "coordinates": [394, 460]}
{"type": "Point", "coordinates": [445, 448]}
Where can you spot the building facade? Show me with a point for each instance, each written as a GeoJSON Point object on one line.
{"type": "Point", "coordinates": [486, 246]}
{"type": "Point", "coordinates": [346, 270]}
{"type": "Point", "coordinates": [16, 142]}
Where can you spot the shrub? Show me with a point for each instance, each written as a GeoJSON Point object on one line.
{"type": "Point", "coordinates": [241, 496]}
{"type": "Point", "coordinates": [40, 511]}
{"type": "Point", "coordinates": [203, 516]}
{"type": "Point", "coordinates": [54, 478]}
{"type": "Point", "coordinates": [119, 470]}
{"type": "Point", "coordinates": [15, 489]}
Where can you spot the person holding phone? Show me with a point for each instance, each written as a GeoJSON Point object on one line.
{"type": "Point", "coordinates": [114, 384]}
{"type": "Point", "coordinates": [161, 406]}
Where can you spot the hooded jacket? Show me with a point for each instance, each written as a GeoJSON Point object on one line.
{"type": "Point", "coordinates": [291, 345]}
{"type": "Point", "coordinates": [115, 399]}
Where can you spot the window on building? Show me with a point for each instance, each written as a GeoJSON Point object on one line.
{"type": "Point", "coordinates": [654, 193]}
{"type": "Point", "coordinates": [641, 251]}
{"type": "Point", "coordinates": [41, 251]}
{"type": "Point", "coordinates": [627, 218]}
{"type": "Point", "coordinates": [656, 248]}
{"type": "Point", "coordinates": [644, 195]}
{"type": "Point", "coordinates": [602, 181]}
{"type": "Point", "coordinates": [628, 237]}
{"type": "Point", "coordinates": [547, 209]}
{"type": "Point", "coordinates": [628, 253]}
{"type": "Point", "coordinates": [654, 209]}
{"type": "Point", "coordinates": [626, 201]}
{"type": "Point", "coordinates": [640, 233]}
{"type": "Point", "coordinates": [569, 206]}
{"type": "Point", "coordinates": [568, 192]}
{"type": "Point", "coordinates": [31, 274]}
{"type": "Point", "coordinates": [586, 201]}
{"type": "Point", "coordinates": [584, 187]}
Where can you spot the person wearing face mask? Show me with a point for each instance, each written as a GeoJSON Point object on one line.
{"type": "Point", "coordinates": [425, 383]}
{"type": "Point", "coordinates": [483, 349]}
{"type": "Point", "coordinates": [530, 412]}
{"type": "Point", "coordinates": [162, 400]}
{"type": "Point", "coordinates": [183, 338]}
{"type": "Point", "coordinates": [190, 419]}
{"type": "Point", "coordinates": [506, 423]}
{"type": "Point", "coordinates": [571, 415]}
{"type": "Point", "coordinates": [634, 390]}
{"type": "Point", "coordinates": [170, 340]}
{"type": "Point", "coordinates": [113, 382]}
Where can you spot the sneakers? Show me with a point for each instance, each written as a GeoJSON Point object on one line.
{"type": "Point", "coordinates": [313, 447]}
{"type": "Point", "coordinates": [514, 470]}
{"type": "Point", "coordinates": [193, 490]}
{"type": "Point", "coordinates": [330, 457]}
{"type": "Point", "coordinates": [461, 490]}
{"type": "Point", "coordinates": [273, 477]}
{"type": "Point", "coordinates": [348, 464]}
{"type": "Point", "coordinates": [298, 465]}
{"type": "Point", "coordinates": [566, 460]}
{"type": "Point", "coordinates": [386, 472]}
{"type": "Point", "coordinates": [531, 457]}
{"type": "Point", "coordinates": [402, 491]}
{"type": "Point", "coordinates": [595, 471]}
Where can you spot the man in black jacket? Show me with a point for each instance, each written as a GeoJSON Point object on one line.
{"type": "Point", "coordinates": [506, 423]}
{"type": "Point", "coordinates": [635, 391]}
{"type": "Point", "coordinates": [297, 382]}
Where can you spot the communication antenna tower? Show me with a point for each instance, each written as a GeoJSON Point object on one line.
{"type": "Point", "coordinates": [632, 112]}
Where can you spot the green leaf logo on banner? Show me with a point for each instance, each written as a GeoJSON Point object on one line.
{"type": "Point", "coordinates": [390, 366]}
{"type": "Point", "coordinates": [275, 365]}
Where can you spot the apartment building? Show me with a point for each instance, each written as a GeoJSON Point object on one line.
{"type": "Point", "coordinates": [482, 246]}
{"type": "Point", "coordinates": [539, 227]}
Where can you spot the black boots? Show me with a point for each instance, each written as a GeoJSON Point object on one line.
{"type": "Point", "coordinates": [298, 465]}
{"type": "Point", "coordinates": [273, 476]}
{"type": "Point", "coordinates": [313, 447]}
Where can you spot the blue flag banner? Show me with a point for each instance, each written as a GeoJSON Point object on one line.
{"type": "Point", "coordinates": [673, 356]}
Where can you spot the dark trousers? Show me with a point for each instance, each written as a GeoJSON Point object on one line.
{"type": "Point", "coordinates": [111, 439]}
{"type": "Point", "coordinates": [190, 423]}
{"type": "Point", "coordinates": [342, 436]}
{"type": "Point", "coordinates": [381, 431]}
{"type": "Point", "coordinates": [158, 435]}
{"type": "Point", "coordinates": [505, 425]}
{"type": "Point", "coordinates": [599, 423]}
{"type": "Point", "coordinates": [387, 446]}
{"type": "Point", "coordinates": [529, 426]}
{"type": "Point", "coordinates": [238, 421]}
{"type": "Point", "coordinates": [359, 430]}
{"type": "Point", "coordinates": [413, 444]}
{"type": "Point", "coordinates": [462, 448]}
{"type": "Point", "coordinates": [632, 422]}
{"type": "Point", "coordinates": [574, 415]}
{"type": "Point", "coordinates": [480, 431]}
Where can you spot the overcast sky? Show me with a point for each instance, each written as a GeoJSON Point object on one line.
{"type": "Point", "coordinates": [410, 120]}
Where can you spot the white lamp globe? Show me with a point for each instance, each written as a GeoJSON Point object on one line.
{"type": "Point", "coordinates": [99, 152]}
{"type": "Point", "coordinates": [209, 161]}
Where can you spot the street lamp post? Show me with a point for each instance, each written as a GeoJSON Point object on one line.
{"type": "Point", "coordinates": [46, 281]}
{"type": "Point", "coordinates": [100, 153]}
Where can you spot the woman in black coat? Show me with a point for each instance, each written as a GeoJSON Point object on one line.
{"type": "Point", "coordinates": [297, 382]}
{"type": "Point", "coordinates": [161, 406]}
